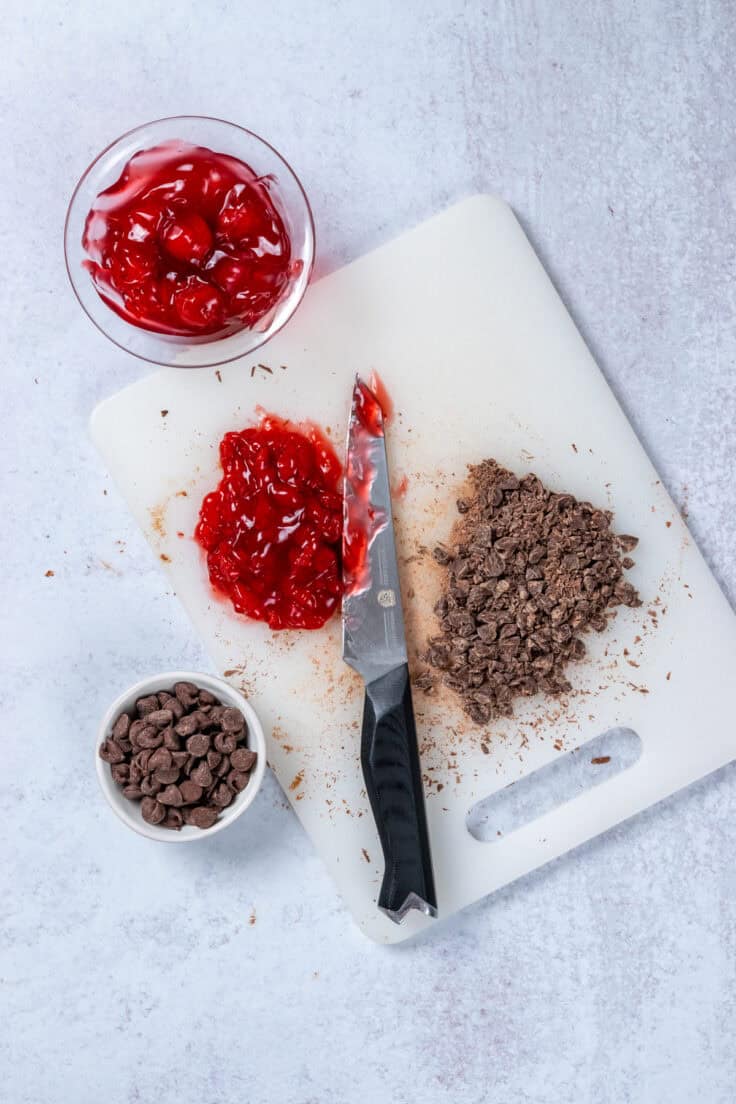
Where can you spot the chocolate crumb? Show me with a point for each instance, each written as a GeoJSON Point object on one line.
{"type": "Point", "coordinates": [49, 574]}
{"type": "Point", "coordinates": [218, 375]}
{"type": "Point", "coordinates": [600, 759]}
{"type": "Point", "coordinates": [164, 413]}
{"type": "Point", "coordinates": [365, 854]}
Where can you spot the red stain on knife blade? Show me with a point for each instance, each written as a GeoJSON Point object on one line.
{"type": "Point", "coordinates": [382, 397]}
{"type": "Point", "coordinates": [362, 522]}
{"type": "Point", "coordinates": [367, 410]}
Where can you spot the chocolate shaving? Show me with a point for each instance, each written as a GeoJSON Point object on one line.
{"type": "Point", "coordinates": [528, 572]}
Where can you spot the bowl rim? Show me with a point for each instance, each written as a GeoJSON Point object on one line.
{"type": "Point", "coordinates": [309, 267]}
{"type": "Point", "coordinates": [126, 810]}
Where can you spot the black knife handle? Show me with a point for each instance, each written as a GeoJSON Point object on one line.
{"type": "Point", "coordinates": [390, 761]}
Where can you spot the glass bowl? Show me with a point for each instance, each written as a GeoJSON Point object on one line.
{"type": "Point", "coordinates": [285, 192]}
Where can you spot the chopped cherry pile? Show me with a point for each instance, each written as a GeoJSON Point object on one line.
{"type": "Point", "coordinates": [188, 241]}
{"type": "Point", "coordinates": [272, 528]}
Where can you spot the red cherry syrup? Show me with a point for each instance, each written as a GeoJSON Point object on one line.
{"type": "Point", "coordinates": [272, 528]}
{"type": "Point", "coordinates": [189, 242]}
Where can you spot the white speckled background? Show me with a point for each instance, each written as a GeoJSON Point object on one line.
{"type": "Point", "coordinates": [229, 971]}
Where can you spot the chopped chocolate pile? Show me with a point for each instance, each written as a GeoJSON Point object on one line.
{"type": "Point", "coordinates": [530, 572]}
{"type": "Point", "coordinates": [182, 754]}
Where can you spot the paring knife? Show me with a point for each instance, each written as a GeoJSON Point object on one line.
{"type": "Point", "coordinates": [375, 646]}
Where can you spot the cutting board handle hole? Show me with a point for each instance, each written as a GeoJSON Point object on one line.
{"type": "Point", "coordinates": [560, 781]}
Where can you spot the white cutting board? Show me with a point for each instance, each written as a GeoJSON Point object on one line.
{"type": "Point", "coordinates": [481, 359]}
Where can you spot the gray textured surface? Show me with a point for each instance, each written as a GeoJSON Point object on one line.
{"type": "Point", "coordinates": [131, 972]}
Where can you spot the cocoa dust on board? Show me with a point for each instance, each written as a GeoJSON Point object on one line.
{"type": "Point", "coordinates": [528, 572]}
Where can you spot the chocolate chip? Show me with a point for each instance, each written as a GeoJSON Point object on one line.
{"type": "Point", "coordinates": [135, 728]}
{"type": "Point", "coordinates": [223, 766]}
{"type": "Point", "coordinates": [172, 740]}
{"type": "Point", "coordinates": [187, 693]}
{"type": "Point", "coordinates": [180, 759]}
{"type": "Point", "coordinates": [167, 775]}
{"type": "Point", "coordinates": [160, 760]}
{"type": "Point", "coordinates": [121, 727]}
{"type": "Point", "coordinates": [161, 718]}
{"type": "Point", "coordinates": [132, 792]}
{"type": "Point", "coordinates": [242, 759]}
{"type": "Point", "coordinates": [232, 720]}
{"type": "Point", "coordinates": [173, 819]}
{"type": "Point", "coordinates": [111, 752]}
{"type": "Point", "coordinates": [147, 705]}
{"type": "Point", "coordinates": [168, 701]}
{"type": "Point", "coordinates": [225, 742]}
{"type": "Point", "coordinates": [205, 698]}
{"type": "Point", "coordinates": [120, 773]}
{"type": "Point", "coordinates": [141, 759]}
{"type": "Point", "coordinates": [171, 795]}
{"type": "Point", "coordinates": [151, 811]}
{"type": "Point", "coordinates": [199, 744]}
{"type": "Point", "coordinates": [150, 737]}
{"type": "Point", "coordinates": [237, 780]}
{"type": "Point", "coordinates": [203, 816]}
{"type": "Point", "coordinates": [202, 775]}
{"type": "Point", "coordinates": [223, 795]}
{"type": "Point", "coordinates": [150, 786]}
{"type": "Point", "coordinates": [213, 759]}
{"type": "Point", "coordinates": [202, 720]}
{"type": "Point", "coordinates": [191, 792]}
{"type": "Point", "coordinates": [186, 726]}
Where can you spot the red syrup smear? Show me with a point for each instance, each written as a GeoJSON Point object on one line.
{"type": "Point", "coordinates": [400, 488]}
{"type": "Point", "coordinates": [189, 242]}
{"type": "Point", "coordinates": [362, 522]}
{"type": "Point", "coordinates": [272, 527]}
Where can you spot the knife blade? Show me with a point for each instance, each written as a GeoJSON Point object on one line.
{"type": "Point", "coordinates": [374, 645]}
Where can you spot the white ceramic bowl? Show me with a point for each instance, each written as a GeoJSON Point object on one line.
{"type": "Point", "coordinates": [129, 811]}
